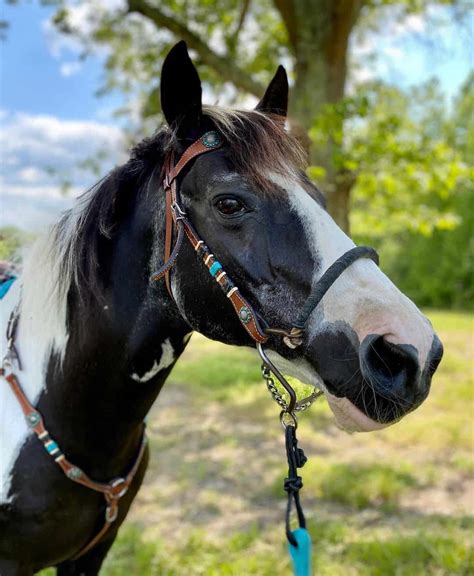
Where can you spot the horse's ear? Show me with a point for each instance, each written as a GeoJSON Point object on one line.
{"type": "Point", "coordinates": [275, 99]}
{"type": "Point", "coordinates": [180, 91]}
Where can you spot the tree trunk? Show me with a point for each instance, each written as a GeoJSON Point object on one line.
{"type": "Point", "coordinates": [319, 37]}
{"type": "Point", "coordinates": [318, 33]}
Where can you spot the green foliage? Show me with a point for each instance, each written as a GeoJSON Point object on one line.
{"type": "Point", "coordinates": [437, 270]}
{"type": "Point", "coordinates": [413, 190]}
{"type": "Point", "coordinates": [136, 41]}
{"type": "Point", "coordinates": [399, 149]}
{"type": "Point", "coordinates": [11, 241]}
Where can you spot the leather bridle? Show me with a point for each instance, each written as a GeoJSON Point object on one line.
{"type": "Point", "coordinates": [176, 218]}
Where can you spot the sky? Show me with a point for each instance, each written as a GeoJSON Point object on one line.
{"type": "Point", "coordinates": [51, 118]}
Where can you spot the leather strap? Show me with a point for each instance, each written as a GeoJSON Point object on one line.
{"type": "Point", "coordinates": [245, 313]}
{"type": "Point", "coordinates": [168, 235]}
{"type": "Point", "coordinates": [112, 491]}
{"type": "Point", "coordinates": [174, 215]}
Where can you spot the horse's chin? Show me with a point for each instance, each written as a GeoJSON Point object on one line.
{"type": "Point", "coordinates": [349, 417]}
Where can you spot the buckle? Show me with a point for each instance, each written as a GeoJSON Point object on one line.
{"type": "Point", "coordinates": [7, 365]}
{"type": "Point", "coordinates": [111, 512]}
{"type": "Point", "coordinates": [178, 212]}
{"type": "Point", "coordinates": [118, 482]}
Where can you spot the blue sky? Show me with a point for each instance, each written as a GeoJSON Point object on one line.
{"type": "Point", "coordinates": [42, 75]}
{"type": "Point", "coordinates": [51, 117]}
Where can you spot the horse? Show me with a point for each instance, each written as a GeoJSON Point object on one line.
{"type": "Point", "coordinates": [92, 339]}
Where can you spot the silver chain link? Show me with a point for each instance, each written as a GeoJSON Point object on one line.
{"type": "Point", "coordinates": [301, 405]}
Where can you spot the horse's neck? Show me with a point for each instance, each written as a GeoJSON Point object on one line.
{"type": "Point", "coordinates": [95, 375]}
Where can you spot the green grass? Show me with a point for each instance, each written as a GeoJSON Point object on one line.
{"type": "Point", "coordinates": [364, 485]}
{"type": "Point", "coordinates": [218, 374]}
{"type": "Point", "coordinates": [390, 503]}
{"type": "Point", "coordinates": [433, 547]}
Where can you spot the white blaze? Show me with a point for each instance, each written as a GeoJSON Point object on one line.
{"type": "Point", "coordinates": [363, 297]}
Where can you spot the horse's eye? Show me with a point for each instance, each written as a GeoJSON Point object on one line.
{"type": "Point", "coordinates": [229, 206]}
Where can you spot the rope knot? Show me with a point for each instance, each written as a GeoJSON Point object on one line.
{"type": "Point", "coordinates": [293, 484]}
{"type": "Point", "coordinates": [300, 457]}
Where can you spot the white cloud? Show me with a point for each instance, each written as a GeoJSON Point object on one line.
{"type": "Point", "coordinates": [31, 174]}
{"type": "Point", "coordinates": [48, 141]}
{"type": "Point", "coordinates": [70, 68]}
{"type": "Point", "coordinates": [39, 152]}
{"type": "Point", "coordinates": [31, 214]}
{"type": "Point", "coordinates": [404, 49]}
{"type": "Point", "coordinates": [81, 18]}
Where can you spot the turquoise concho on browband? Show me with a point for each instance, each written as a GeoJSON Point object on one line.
{"type": "Point", "coordinates": [211, 139]}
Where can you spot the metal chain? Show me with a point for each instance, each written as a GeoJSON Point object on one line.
{"type": "Point", "coordinates": [301, 405]}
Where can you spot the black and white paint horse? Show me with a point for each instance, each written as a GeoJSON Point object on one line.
{"type": "Point", "coordinates": [97, 340]}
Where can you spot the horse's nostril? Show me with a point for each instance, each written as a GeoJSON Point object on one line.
{"type": "Point", "coordinates": [389, 367]}
{"type": "Point", "coordinates": [434, 357]}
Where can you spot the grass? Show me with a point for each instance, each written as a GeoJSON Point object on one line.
{"type": "Point", "coordinates": [392, 503]}
{"type": "Point", "coordinates": [364, 485]}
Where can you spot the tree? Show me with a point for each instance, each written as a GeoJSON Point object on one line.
{"type": "Point", "coordinates": [239, 43]}
{"type": "Point", "coordinates": [414, 194]}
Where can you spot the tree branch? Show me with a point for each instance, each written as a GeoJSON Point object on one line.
{"type": "Point", "coordinates": [287, 12]}
{"type": "Point", "coordinates": [241, 21]}
{"type": "Point", "coordinates": [224, 66]}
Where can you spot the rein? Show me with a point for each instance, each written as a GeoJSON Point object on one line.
{"type": "Point", "coordinates": [299, 540]}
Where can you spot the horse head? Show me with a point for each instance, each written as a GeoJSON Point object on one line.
{"type": "Point", "coordinates": [366, 345]}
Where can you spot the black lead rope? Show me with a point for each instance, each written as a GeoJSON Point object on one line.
{"type": "Point", "coordinates": [293, 483]}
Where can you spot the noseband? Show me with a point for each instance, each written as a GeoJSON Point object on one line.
{"type": "Point", "coordinates": [177, 218]}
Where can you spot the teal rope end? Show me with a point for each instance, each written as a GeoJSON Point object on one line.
{"type": "Point", "coordinates": [301, 555]}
